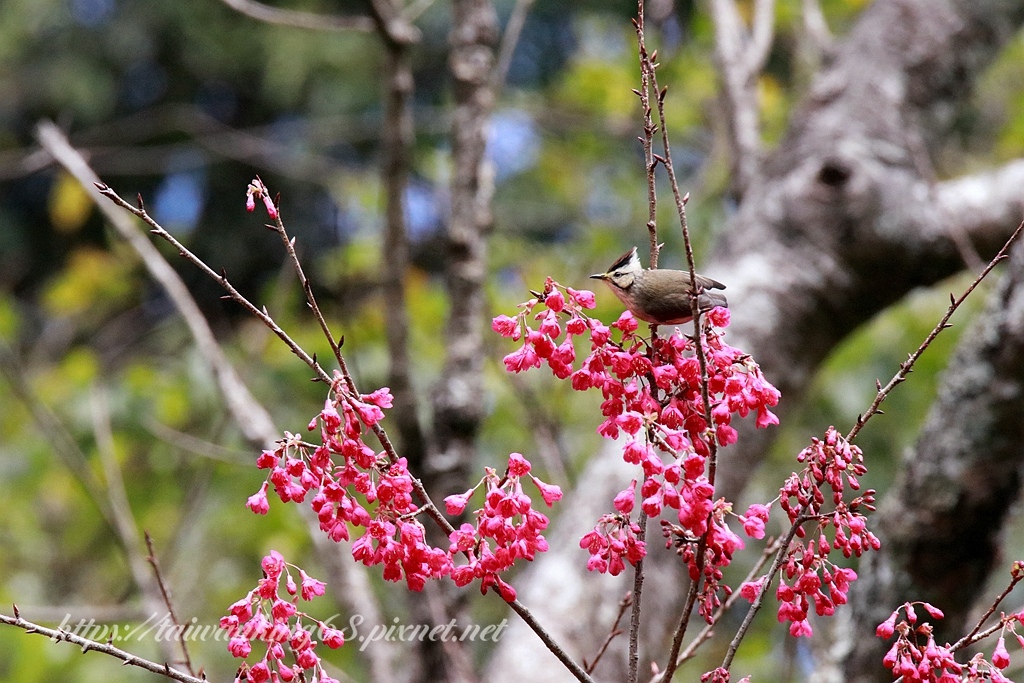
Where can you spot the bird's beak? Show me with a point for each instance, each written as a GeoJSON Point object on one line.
{"type": "Point", "coordinates": [599, 276]}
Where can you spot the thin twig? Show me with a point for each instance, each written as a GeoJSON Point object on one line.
{"type": "Point", "coordinates": [905, 369]}
{"type": "Point", "coordinates": [680, 201]}
{"type": "Point", "coordinates": [221, 278]}
{"type": "Point", "coordinates": [612, 634]}
{"type": "Point", "coordinates": [106, 648]}
{"type": "Point", "coordinates": [166, 593]}
{"type": "Point", "coordinates": [644, 93]}
{"type": "Point", "coordinates": [264, 316]}
{"type": "Point", "coordinates": [307, 290]}
{"type": "Point", "coordinates": [970, 637]}
{"type": "Point", "coordinates": [303, 20]}
{"type": "Point", "coordinates": [509, 41]}
{"type": "Point", "coordinates": [634, 615]}
{"type": "Point", "coordinates": [556, 649]}
{"type": "Point", "coordinates": [908, 365]}
{"type": "Point", "coordinates": [709, 629]}
{"type": "Point", "coordinates": [254, 421]}
{"type": "Point", "coordinates": [755, 606]}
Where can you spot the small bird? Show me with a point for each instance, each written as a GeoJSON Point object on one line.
{"type": "Point", "coordinates": [660, 296]}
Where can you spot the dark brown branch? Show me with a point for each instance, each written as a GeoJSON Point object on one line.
{"type": "Point", "coordinates": [85, 644]}
{"type": "Point", "coordinates": [908, 365]}
{"type": "Point", "coordinates": [575, 669]}
{"type": "Point", "coordinates": [646, 78]}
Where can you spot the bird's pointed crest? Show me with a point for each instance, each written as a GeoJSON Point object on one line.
{"type": "Point", "coordinates": [627, 260]}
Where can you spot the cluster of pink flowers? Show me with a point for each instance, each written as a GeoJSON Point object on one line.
{"type": "Point", "coordinates": [915, 657]}
{"type": "Point", "coordinates": [809, 577]}
{"type": "Point", "coordinates": [264, 615]}
{"type": "Point", "coordinates": [354, 485]}
{"type": "Point", "coordinates": [507, 527]}
{"type": "Point", "coordinates": [652, 395]}
{"type": "Point", "coordinates": [720, 675]}
{"type": "Point", "coordinates": [343, 472]}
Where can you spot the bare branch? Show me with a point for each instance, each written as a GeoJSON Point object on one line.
{"type": "Point", "coordinates": [509, 41]}
{"type": "Point", "coordinates": [128, 658]}
{"type": "Point", "coordinates": [168, 602]}
{"type": "Point", "coordinates": [646, 78]}
{"type": "Point", "coordinates": [303, 20]}
{"type": "Point", "coordinates": [614, 632]}
{"type": "Point", "coordinates": [908, 365]}
{"type": "Point", "coordinates": [575, 669]}
{"type": "Point", "coordinates": [254, 421]}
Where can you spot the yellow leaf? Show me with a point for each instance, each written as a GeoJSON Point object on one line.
{"type": "Point", "coordinates": [69, 205]}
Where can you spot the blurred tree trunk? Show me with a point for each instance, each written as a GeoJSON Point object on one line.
{"type": "Point", "coordinates": [844, 219]}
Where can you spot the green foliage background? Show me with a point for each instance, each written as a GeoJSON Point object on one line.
{"type": "Point", "coordinates": [154, 89]}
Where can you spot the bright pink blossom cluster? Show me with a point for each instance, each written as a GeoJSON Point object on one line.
{"type": "Point", "coordinates": [917, 658]}
{"type": "Point", "coordinates": [720, 675]}
{"type": "Point", "coordinates": [808, 575]}
{"type": "Point", "coordinates": [652, 395]}
{"type": "Point", "coordinates": [353, 484]}
{"type": "Point", "coordinates": [264, 615]}
{"type": "Point", "coordinates": [507, 527]}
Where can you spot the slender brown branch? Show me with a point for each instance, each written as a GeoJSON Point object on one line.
{"type": "Point", "coordinates": [106, 648]}
{"type": "Point", "coordinates": [908, 365]}
{"type": "Point", "coordinates": [684, 615]}
{"type": "Point", "coordinates": [709, 629]}
{"type": "Point", "coordinates": [612, 634]}
{"type": "Point", "coordinates": [267, 320]}
{"type": "Point", "coordinates": [680, 201]}
{"type": "Point", "coordinates": [905, 368]}
{"type": "Point", "coordinates": [303, 20]}
{"type": "Point", "coordinates": [221, 278]}
{"type": "Point", "coordinates": [634, 615]}
{"type": "Point", "coordinates": [307, 290]}
{"type": "Point", "coordinates": [575, 669]}
{"type": "Point", "coordinates": [168, 602]}
{"type": "Point", "coordinates": [644, 93]}
{"type": "Point", "coordinates": [755, 606]}
{"type": "Point", "coordinates": [972, 637]}
{"type": "Point", "coordinates": [254, 421]}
